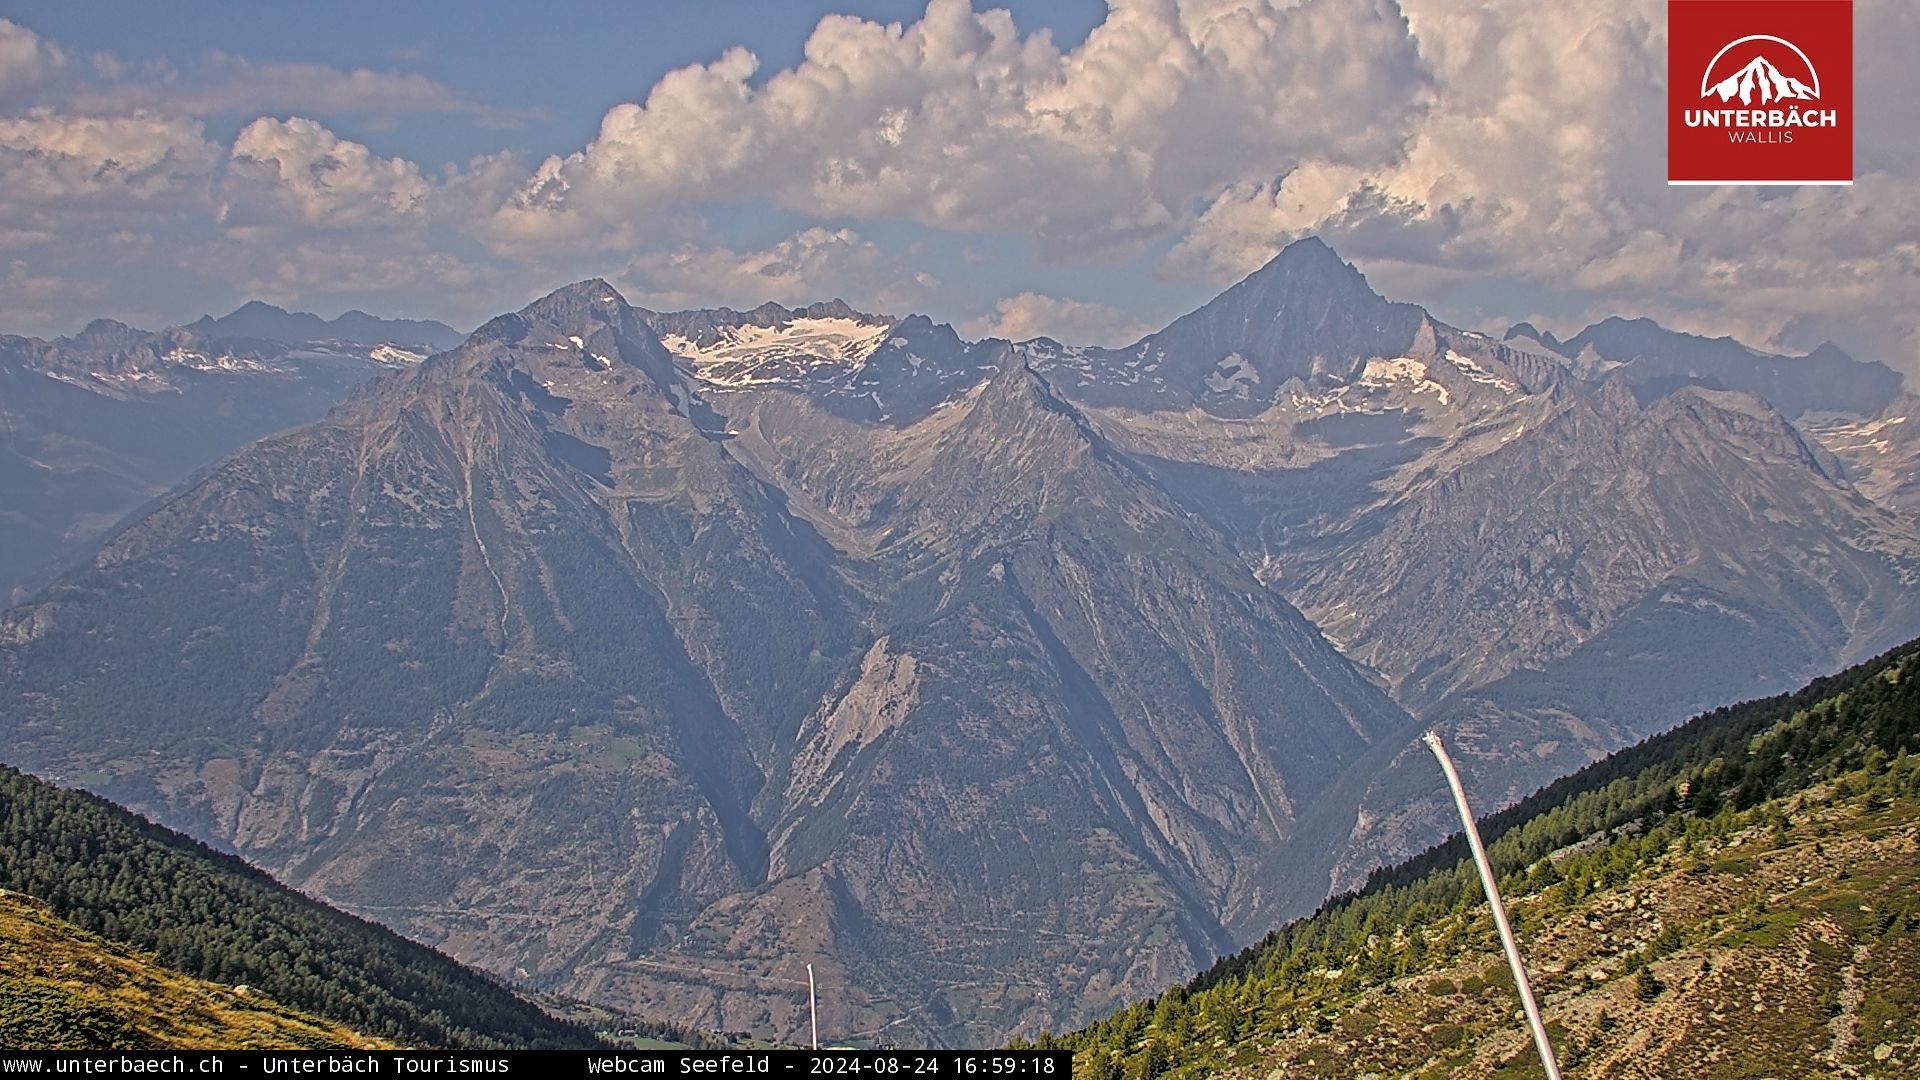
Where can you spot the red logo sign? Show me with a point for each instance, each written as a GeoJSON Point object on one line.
{"type": "Point", "coordinates": [1760, 91]}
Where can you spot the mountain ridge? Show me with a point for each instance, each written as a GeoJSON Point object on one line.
{"type": "Point", "coordinates": [717, 621]}
{"type": "Point", "coordinates": [100, 422]}
{"type": "Point", "coordinates": [257, 319]}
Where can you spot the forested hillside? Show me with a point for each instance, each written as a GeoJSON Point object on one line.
{"type": "Point", "coordinates": [211, 916]}
{"type": "Point", "coordinates": [62, 988]}
{"type": "Point", "coordinates": [1737, 897]}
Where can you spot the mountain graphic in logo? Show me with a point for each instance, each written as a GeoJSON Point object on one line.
{"type": "Point", "coordinates": [1760, 91]}
{"type": "Point", "coordinates": [1760, 81]}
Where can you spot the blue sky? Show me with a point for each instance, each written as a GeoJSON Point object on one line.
{"type": "Point", "coordinates": [570, 62]}
{"type": "Point", "coordinates": [1059, 167]}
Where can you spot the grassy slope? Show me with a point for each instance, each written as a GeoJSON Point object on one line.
{"type": "Point", "coordinates": [212, 916]}
{"type": "Point", "coordinates": [1738, 900]}
{"type": "Point", "coordinates": [63, 988]}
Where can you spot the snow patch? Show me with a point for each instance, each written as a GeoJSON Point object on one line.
{"type": "Point", "coordinates": [1869, 434]}
{"type": "Point", "coordinates": [1384, 374]}
{"type": "Point", "coordinates": [750, 355]}
{"type": "Point", "coordinates": [1481, 375]}
{"type": "Point", "coordinates": [203, 362]}
{"type": "Point", "coordinates": [1232, 375]}
{"type": "Point", "coordinates": [396, 356]}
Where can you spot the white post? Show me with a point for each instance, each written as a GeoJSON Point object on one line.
{"type": "Point", "coordinates": [1432, 739]}
{"type": "Point", "coordinates": [813, 1011]}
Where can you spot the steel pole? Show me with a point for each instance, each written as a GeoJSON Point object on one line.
{"type": "Point", "coordinates": [813, 1010]}
{"type": "Point", "coordinates": [1432, 739]}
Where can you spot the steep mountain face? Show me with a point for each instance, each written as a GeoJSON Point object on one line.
{"type": "Point", "coordinates": [1553, 548]}
{"type": "Point", "coordinates": [1303, 322]}
{"type": "Point", "coordinates": [1658, 360]}
{"type": "Point", "coordinates": [1509, 560]}
{"type": "Point", "coordinates": [525, 652]}
{"type": "Point", "coordinates": [1856, 410]}
{"type": "Point", "coordinates": [1577, 591]}
{"type": "Point", "coordinates": [93, 425]}
{"type": "Point", "coordinates": [429, 656]}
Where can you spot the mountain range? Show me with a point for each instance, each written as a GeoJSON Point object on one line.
{"type": "Point", "coordinates": [650, 656]}
{"type": "Point", "coordinates": [97, 423]}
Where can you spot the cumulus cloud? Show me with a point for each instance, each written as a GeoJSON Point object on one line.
{"type": "Point", "coordinates": [297, 167]}
{"type": "Point", "coordinates": [305, 213]}
{"type": "Point", "coordinates": [1443, 144]}
{"type": "Point", "coordinates": [1074, 322]}
{"type": "Point", "coordinates": [961, 122]}
{"type": "Point", "coordinates": [1540, 156]}
{"type": "Point", "coordinates": [50, 158]}
{"type": "Point", "coordinates": [1543, 136]}
{"type": "Point", "coordinates": [814, 264]}
{"type": "Point", "coordinates": [26, 59]}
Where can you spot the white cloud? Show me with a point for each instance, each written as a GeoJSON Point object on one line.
{"type": "Point", "coordinates": [960, 122]}
{"type": "Point", "coordinates": [1541, 156]}
{"type": "Point", "coordinates": [1029, 315]}
{"type": "Point", "coordinates": [814, 264]}
{"type": "Point", "coordinates": [299, 168]}
{"type": "Point", "coordinates": [1460, 143]}
{"type": "Point", "coordinates": [54, 158]}
{"type": "Point", "coordinates": [26, 58]}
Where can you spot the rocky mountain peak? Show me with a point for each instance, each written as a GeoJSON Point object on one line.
{"type": "Point", "coordinates": [772, 314]}
{"type": "Point", "coordinates": [261, 320]}
{"type": "Point", "coordinates": [1015, 591]}
{"type": "Point", "coordinates": [1526, 331]}
{"type": "Point", "coordinates": [587, 324]}
{"type": "Point", "coordinates": [582, 303]}
{"type": "Point", "coordinates": [109, 334]}
{"type": "Point", "coordinates": [1312, 255]}
{"type": "Point", "coordinates": [1828, 352]}
{"type": "Point", "coordinates": [1304, 313]}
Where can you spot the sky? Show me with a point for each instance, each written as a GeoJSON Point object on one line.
{"type": "Point", "coordinates": [1073, 168]}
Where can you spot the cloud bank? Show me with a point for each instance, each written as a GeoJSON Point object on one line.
{"type": "Point", "coordinates": [1504, 157]}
